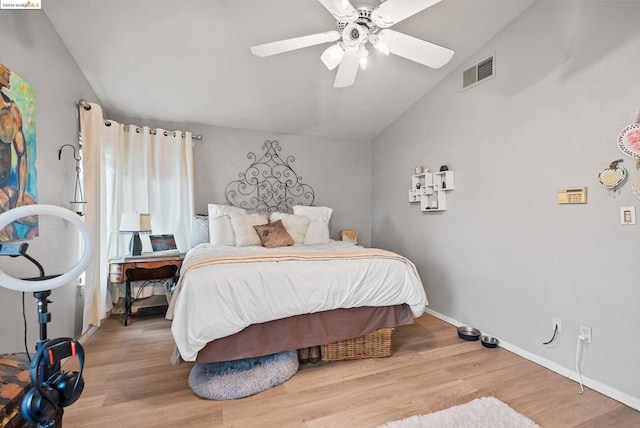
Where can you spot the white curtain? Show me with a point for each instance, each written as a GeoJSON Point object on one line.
{"type": "Point", "coordinates": [131, 169]}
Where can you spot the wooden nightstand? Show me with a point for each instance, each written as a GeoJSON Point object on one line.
{"type": "Point", "coordinates": [140, 268]}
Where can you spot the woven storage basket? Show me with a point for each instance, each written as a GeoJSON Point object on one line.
{"type": "Point", "coordinates": [371, 345]}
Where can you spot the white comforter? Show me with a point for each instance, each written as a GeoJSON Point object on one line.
{"type": "Point", "coordinates": [215, 301]}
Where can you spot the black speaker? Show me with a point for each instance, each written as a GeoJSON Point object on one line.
{"type": "Point", "coordinates": [59, 389]}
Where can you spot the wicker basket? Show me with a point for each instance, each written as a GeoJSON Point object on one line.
{"type": "Point", "coordinates": [371, 345]}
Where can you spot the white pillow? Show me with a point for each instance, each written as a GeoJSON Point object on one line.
{"type": "Point", "coordinates": [243, 224]}
{"type": "Point", "coordinates": [318, 230]}
{"type": "Point", "coordinates": [296, 225]}
{"type": "Point", "coordinates": [220, 230]}
{"type": "Point", "coordinates": [199, 229]}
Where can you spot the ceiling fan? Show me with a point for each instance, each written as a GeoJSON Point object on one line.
{"type": "Point", "coordinates": [362, 25]}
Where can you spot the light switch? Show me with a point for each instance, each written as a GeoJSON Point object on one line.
{"type": "Point", "coordinates": [628, 215]}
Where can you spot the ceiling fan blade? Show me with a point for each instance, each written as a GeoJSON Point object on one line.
{"type": "Point", "coordinates": [287, 45]}
{"type": "Point", "coordinates": [393, 11]}
{"type": "Point", "coordinates": [348, 69]}
{"type": "Point", "coordinates": [342, 10]}
{"type": "Point", "coordinates": [420, 51]}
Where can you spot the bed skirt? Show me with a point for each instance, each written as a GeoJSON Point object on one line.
{"type": "Point", "coordinates": [303, 331]}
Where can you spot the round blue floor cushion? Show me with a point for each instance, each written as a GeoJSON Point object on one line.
{"type": "Point", "coordinates": [241, 378]}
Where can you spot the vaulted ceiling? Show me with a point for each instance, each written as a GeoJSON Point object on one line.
{"type": "Point", "coordinates": [189, 61]}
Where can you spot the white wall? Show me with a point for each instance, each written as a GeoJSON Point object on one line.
{"type": "Point", "coordinates": [32, 49]}
{"type": "Point", "coordinates": [338, 170]}
{"type": "Point", "coordinates": [505, 257]}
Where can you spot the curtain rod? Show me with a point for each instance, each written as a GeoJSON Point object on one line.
{"type": "Point", "coordinates": [85, 105]}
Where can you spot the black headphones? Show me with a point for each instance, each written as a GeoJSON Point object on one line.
{"type": "Point", "coordinates": [60, 389]}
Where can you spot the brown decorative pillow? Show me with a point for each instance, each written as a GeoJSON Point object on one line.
{"type": "Point", "coordinates": [274, 235]}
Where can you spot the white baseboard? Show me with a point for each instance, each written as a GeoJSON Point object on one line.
{"type": "Point", "coordinates": [92, 329]}
{"type": "Point", "coordinates": [561, 370]}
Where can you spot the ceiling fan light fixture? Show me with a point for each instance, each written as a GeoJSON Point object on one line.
{"type": "Point", "coordinates": [369, 23]}
{"type": "Point", "coordinates": [332, 56]}
{"type": "Point", "coordinates": [363, 62]}
{"type": "Point", "coordinates": [380, 45]}
{"type": "Point", "coordinates": [363, 55]}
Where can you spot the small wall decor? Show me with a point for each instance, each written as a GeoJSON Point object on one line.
{"type": "Point", "coordinates": [269, 184]}
{"type": "Point", "coordinates": [629, 141]}
{"type": "Point", "coordinates": [18, 178]}
{"type": "Point", "coordinates": [613, 177]}
{"type": "Point", "coordinates": [78, 203]}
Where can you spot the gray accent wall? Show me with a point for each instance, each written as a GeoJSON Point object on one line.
{"type": "Point", "coordinates": [338, 170]}
{"type": "Point", "coordinates": [32, 49]}
{"type": "Point", "coordinates": [505, 257]}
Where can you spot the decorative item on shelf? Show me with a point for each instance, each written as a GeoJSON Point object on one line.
{"type": "Point", "coordinates": [418, 170]}
{"type": "Point", "coordinates": [135, 223]}
{"type": "Point", "coordinates": [444, 168]}
{"type": "Point", "coordinates": [418, 185]}
{"type": "Point", "coordinates": [78, 204]}
{"type": "Point", "coordinates": [613, 177]}
{"type": "Point", "coordinates": [425, 170]}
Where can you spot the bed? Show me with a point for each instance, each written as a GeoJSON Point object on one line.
{"type": "Point", "coordinates": [240, 301]}
{"type": "Point", "coordinates": [263, 275]}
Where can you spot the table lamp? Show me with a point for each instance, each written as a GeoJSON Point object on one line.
{"type": "Point", "coordinates": [135, 223]}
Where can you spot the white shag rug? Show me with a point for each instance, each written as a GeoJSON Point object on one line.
{"type": "Point", "coordinates": [485, 412]}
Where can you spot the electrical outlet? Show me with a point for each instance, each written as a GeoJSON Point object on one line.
{"type": "Point", "coordinates": [585, 332]}
{"type": "Point", "coordinates": [556, 321]}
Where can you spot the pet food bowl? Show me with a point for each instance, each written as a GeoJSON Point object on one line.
{"type": "Point", "coordinates": [489, 341]}
{"type": "Point", "coordinates": [468, 333]}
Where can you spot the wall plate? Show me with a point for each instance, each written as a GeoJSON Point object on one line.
{"type": "Point", "coordinates": [628, 215]}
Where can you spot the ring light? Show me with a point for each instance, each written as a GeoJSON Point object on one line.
{"type": "Point", "coordinates": [11, 215]}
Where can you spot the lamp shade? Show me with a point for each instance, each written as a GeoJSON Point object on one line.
{"type": "Point", "coordinates": [135, 222]}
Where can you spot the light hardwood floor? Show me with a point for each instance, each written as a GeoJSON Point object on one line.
{"type": "Point", "coordinates": [131, 383]}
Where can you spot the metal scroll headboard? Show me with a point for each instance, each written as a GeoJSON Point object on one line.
{"type": "Point", "coordinates": [269, 184]}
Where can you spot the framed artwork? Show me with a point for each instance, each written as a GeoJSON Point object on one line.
{"type": "Point", "coordinates": [18, 178]}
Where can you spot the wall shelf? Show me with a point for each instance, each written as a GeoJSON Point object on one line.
{"type": "Point", "coordinates": [430, 189]}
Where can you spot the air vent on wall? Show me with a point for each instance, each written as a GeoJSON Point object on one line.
{"type": "Point", "coordinates": [478, 72]}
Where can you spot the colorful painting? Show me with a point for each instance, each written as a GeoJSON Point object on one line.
{"type": "Point", "coordinates": [18, 179]}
